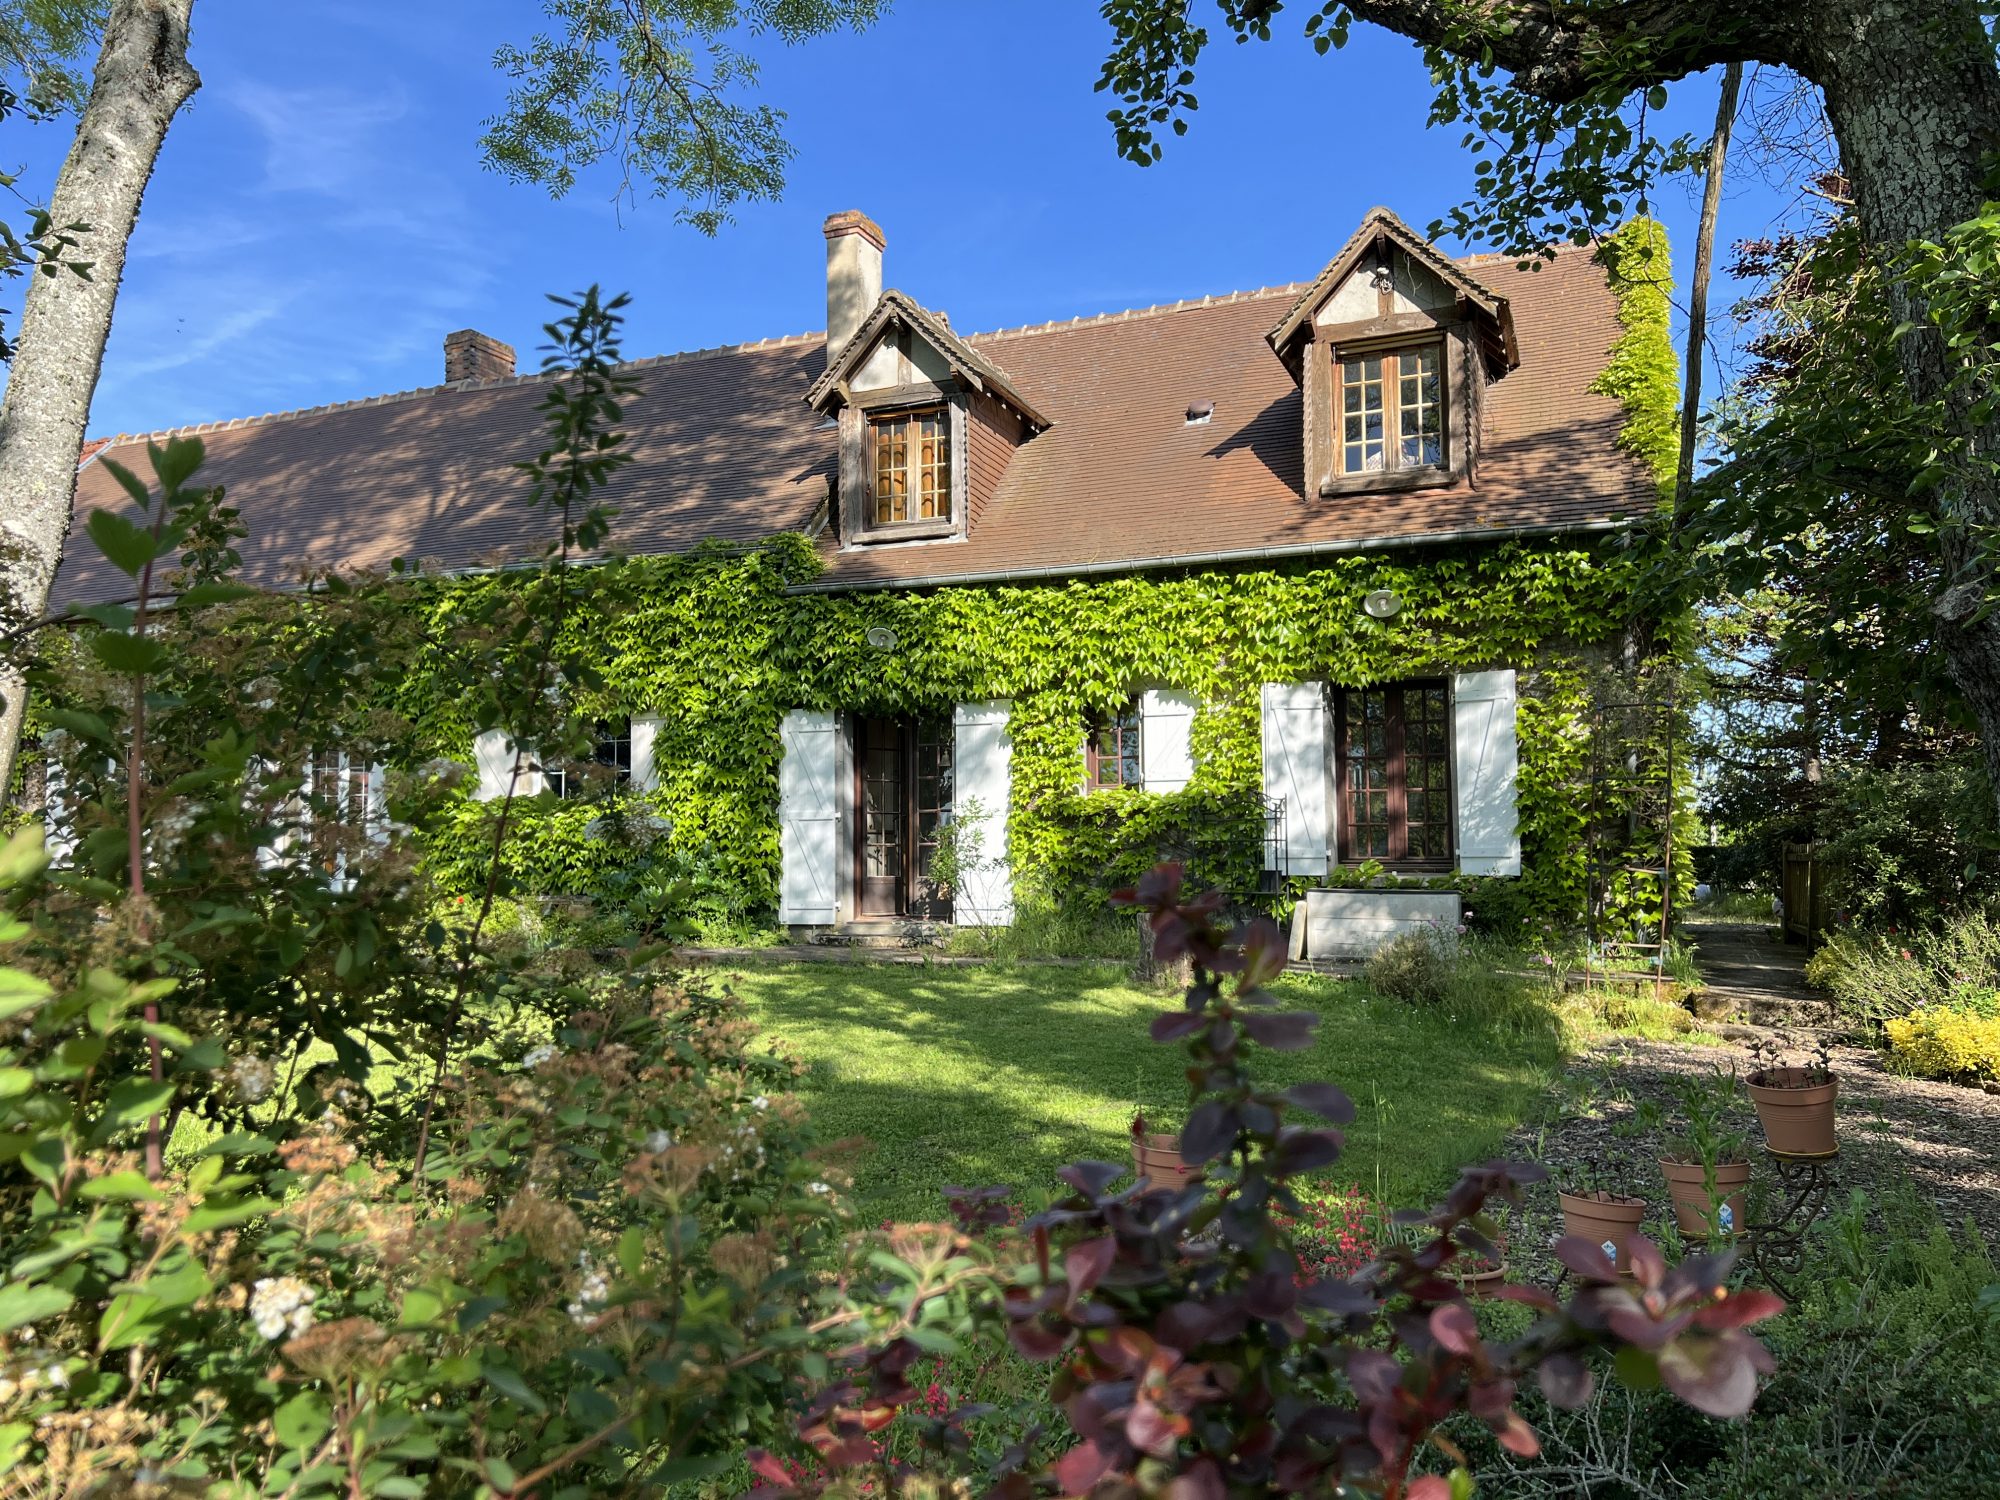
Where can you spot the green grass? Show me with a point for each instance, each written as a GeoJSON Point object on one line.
{"type": "Point", "coordinates": [1001, 1075]}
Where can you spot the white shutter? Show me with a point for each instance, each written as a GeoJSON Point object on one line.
{"type": "Point", "coordinates": [645, 730]}
{"type": "Point", "coordinates": [808, 809]}
{"type": "Point", "coordinates": [1166, 760]}
{"type": "Point", "coordinates": [375, 810]}
{"type": "Point", "coordinates": [983, 769]}
{"type": "Point", "coordinates": [290, 815]}
{"type": "Point", "coordinates": [58, 830]}
{"type": "Point", "coordinates": [1295, 770]}
{"type": "Point", "coordinates": [1484, 762]}
{"type": "Point", "coordinates": [495, 755]}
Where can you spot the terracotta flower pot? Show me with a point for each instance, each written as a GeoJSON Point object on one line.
{"type": "Point", "coordinates": [1687, 1183]}
{"type": "Point", "coordinates": [1157, 1158]}
{"type": "Point", "coordinates": [1477, 1276]}
{"type": "Point", "coordinates": [1606, 1220]}
{"type": "Point", "coordinates": [1797, 1115]}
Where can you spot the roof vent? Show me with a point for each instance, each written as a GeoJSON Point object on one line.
{"type": "Point", "coordinates": [1199, 413]}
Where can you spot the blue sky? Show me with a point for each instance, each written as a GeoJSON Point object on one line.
{"type": "Point", "coordinates": [320, 218]}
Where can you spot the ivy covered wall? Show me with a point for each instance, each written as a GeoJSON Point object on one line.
{"type": "Point", "coordinates": [719, 650]}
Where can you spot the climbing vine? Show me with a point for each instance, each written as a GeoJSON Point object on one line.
{"type": "Point", "coordinates": [718, 645]}
{"type": "Point", "coordinates": [1643, 372]}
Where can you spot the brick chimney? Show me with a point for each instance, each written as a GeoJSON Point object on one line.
{"type": "Point", "coordinates": [472, 355]}
{"type": "Point", "coordinates": [854, 245]}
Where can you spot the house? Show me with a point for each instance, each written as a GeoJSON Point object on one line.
{"type": "Point", "coordinates": [1330, 560]}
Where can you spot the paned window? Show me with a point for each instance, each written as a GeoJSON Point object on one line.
{"type": "Point", "coordinates": [611, 749]}
{"type": "Point", "coordinates": [339, 811]}
{"type": "Point", "coordinates": [1394, 749]}
{"type": "Point", "coordinates": [912, 466]}
{"type": "Point", "coordinates": [1111, 753]}
{"type": "Point", "coordinates": [1392, 411]}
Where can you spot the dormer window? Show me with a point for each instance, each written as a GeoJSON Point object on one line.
{"type": "Point", "coordinates": [912, 466]}
{"type": "Point", "coordinates": [1393, 346]}
{"type": "Point", "coordinates": [1392, 410]}
{"type": "Point", "coordinates": [928, 425]}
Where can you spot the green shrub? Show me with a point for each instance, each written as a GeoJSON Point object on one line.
{"type": "Point", "coordinates": [1875, 976]}
{"type": "Point", "coordinates": [1887, 1385]}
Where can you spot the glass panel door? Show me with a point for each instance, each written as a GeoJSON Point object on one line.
{"type": "Point", "coordinates": [883, 816]}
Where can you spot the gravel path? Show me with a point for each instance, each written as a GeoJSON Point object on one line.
{"type": "Point", "coordinates": [1615, 1107]}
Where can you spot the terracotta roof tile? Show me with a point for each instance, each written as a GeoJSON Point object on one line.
{"type": "Point", "coordinates": [725, 447]}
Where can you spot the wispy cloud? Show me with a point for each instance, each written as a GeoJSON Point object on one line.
{"type": "Point", "coordinates": [325, 266]}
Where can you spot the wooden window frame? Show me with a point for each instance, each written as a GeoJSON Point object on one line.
{"type": "Point", "coordinates": [858, 526]}
{"type": "Point", "coordinates": [1395, 727]}
{"type": "Point", "coordinates": [1095, 761]}
{"type": "Point", "coordinates": [912, 466]}
{"type": "Point", "coordinates": [1459, 395]}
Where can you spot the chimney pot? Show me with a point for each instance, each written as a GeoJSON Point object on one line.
{"type": "Point", "coordinates": [472, 355]}
{"type": "Point", "coordinates": [854, 246]}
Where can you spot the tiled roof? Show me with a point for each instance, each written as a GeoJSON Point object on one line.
{"type": "Point", "coordinates": [725, 447]}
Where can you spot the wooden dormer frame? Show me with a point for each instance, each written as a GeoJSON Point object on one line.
{"type": "Point", "coordinates": [1475, 332]}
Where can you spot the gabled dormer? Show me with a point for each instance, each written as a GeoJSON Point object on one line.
{"type": "Point", "coordinates": [1393, 344]}
{"type": "Point", "coordinates": [927, 423]}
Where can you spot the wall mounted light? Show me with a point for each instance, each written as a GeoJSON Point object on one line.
{"type": "Point", "coordinates": [1382, 604]}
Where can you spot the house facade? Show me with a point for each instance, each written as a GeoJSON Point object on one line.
{"type": "Point", "coordinates": [1304, 585]}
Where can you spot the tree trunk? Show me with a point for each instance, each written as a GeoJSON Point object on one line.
{"type": "Point", "coordinates": [143, 78]}
{"type": "Point", "coordinates": [1704, 254]}
{"type": "Point", "coordinates": [1914, 98]}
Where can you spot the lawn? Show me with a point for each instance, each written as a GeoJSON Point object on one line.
{"type": "Point", "coordinates": [1002, 1074]}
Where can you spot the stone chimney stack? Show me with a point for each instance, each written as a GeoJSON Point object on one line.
{"type": "Point", "coordinates": [472, 355]}
{"type": "Point", "coordinates": [854, 246]}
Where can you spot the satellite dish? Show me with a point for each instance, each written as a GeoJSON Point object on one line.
{"type": "Point", "coordinates": [1382, 604]}
{"type": "Point", "coordinates": [882, 638]}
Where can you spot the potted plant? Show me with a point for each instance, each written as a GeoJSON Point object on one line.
{"type": "Point", "coordinates": [1479, 1273]}
{"type": "Point", "coordinates": [1606, 1218]}
{"type": "Point", "coordinates": [1795, 1102]}
{"type": "Point", "coordinates": [1708, 1165]}
{"type": "Point", "coordinates": [1156, 1155]}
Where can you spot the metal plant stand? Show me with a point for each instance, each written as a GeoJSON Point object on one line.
{"type": "Point", "coordinates": [1776, 1248]}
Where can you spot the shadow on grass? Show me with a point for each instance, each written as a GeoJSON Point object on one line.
{"type": "Point", "coordinates": [1002, 1076]}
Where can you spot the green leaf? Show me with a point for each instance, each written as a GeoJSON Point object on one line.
{"type": "Point", "coordinates": [477, 1311]}
{"type": "Point", "coordinates": [132, 655]}
{"type": "Point", "coordinates": [13, 1442]}
{"type": "Point", "coordinates": [128, 546]}
{"type": "Point", "coordinates": [110, 616]}
{"type": "Point", "coordinates": [204, 594]}
{"type": "Point", "coordinates": [508, 1382]}
{"type": "Point", "coordinates": [135, 1099]}
{"type": "Point", "coordinates": [125, 1187]}
{"type": "Point", "coordinates": [127, 1319]}
{"type": "Point", "coordinates": [229, 1215]}
{"type": "Point", "coordinates": [176, 460]}
{"type": "Point", "coordinates": [24, 1302]}
{"type": "Point", "coordinates": [303, 1421]}
{"type": "Point", "coordinates": [184, 1284]}
{"type": "Point", "coordinates": [420, 1307]}
{"type": "Point", "coordinates": [20, 992]}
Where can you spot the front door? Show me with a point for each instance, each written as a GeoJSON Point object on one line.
{"type": "Point", "coordinates": [903, 800]}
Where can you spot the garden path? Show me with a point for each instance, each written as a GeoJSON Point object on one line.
{"type": "Point", "coordinates": [1749, 971]}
